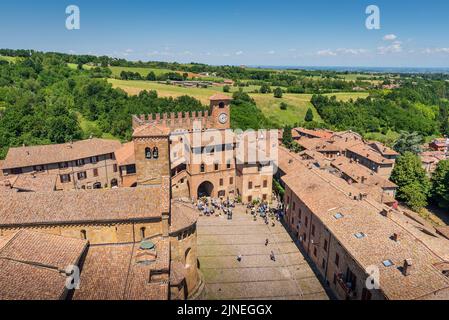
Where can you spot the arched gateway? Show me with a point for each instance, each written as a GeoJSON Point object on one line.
{"type": "Point", "coordinates": [205, 189]}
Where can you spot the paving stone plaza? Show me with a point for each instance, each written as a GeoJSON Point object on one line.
{"type": "Point", "coordinates": [256, 276]}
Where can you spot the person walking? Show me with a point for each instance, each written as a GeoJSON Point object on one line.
{"type": "Point", "coordinates": [272, 256]}
{"type": "Point", "coordinates": [266, 242]}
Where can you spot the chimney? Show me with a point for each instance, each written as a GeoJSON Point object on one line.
{"type": "Point", "coordinates": [407, 268]}
{"type": "Point", "coordinates": [386, 213]}
{"type": "Point", "coordinates": [395, 237]}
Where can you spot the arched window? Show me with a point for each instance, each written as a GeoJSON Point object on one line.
{"type": "Point", "coordinates": [83, 234]}
{"type": "Point", "coordinates": [142, 233]}
{"type": "Point", "coordinates": [221, 105]}
{"type": "Point", "coordinates": [148, 154]}
{"type": "Point", "coordinates": [203, 168]}
{"type": "Point", "coordinates": [155, 153]}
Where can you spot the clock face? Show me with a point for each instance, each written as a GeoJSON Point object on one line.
{"type": "Point", "coordinates": [223, 118]}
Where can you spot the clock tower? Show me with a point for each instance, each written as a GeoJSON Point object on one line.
{"type": "Point", "coordinates": [220, 111]}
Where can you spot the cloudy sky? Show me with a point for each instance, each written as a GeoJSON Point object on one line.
{"type": "Point", "coordinates": [413, 33]}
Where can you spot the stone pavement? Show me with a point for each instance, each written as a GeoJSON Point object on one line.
{"type": "Point", "coordinates": [220, 241]}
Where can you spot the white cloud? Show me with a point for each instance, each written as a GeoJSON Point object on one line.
{"type": "Point", "coordinates": [436, 50]}
{"type": "Point", "coordinates": [390, 37]}
{"type": "Point", "coordinates": [326, 53]}
{"type": "Point", "coordinates": [239, 53]}
{"type": "Point", "coordinates": [396, 47]}
{"type": "Point", "coordinates": [351, 51]}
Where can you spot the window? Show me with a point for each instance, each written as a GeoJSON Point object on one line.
{"type": "Point", "coordinates": [131, 169]}
{"type": "Point", "coordinates": [63, 165]}
{"type": "Point", "coordinates": [94, 159]}
{"type": "Point", "coordinates": [307, 221]}
{"type": "Point", "coordinates": [216, 167]}
{"type": "Point", "coordinates": [83, 234]}
{"type": "Point", "coordinates": [142, 233]}
{"type": "Point", "coordinates": [114, 168]}
{"type": "Point", "coordinates": [231, 180]}
{"type": "Point", "coordinates": [264, 197]}
{"type": "Point", "coordinates": [155, 153]}
{"type": "Point", "coordinates": [360, 235]}
{"type": "Point", "coordinates": [265, 183]}
{"type": "Point", "coordinates": [314, 252]}
{"type": "Point", "coordinates": [323, 264]}
{"type": "Point", "coordinates": [337, 259]}
{"type": "Point", "coordinates": [338, 216]}
{"type": "Point", "coordinates": [39, 168]}
{"type": "Point", "coordinates": [387, 263]}
{"type": "Point", "coordinates": [250, 185]}
{"type": "Point", "coordinates": [82, 175]}
{"type": "Point", "coordinates": [299, 214]}
{"type": "Point", "coordinates": [313, 230]}
{"type": "Point", "coordinates": [221, 105]}
{"type": "Point", "coordinates": [221, 182]}
{"type": "Point", "coordinates": [250, 199]}
{"type": "Point", "coordinates": [335, 279]}
{"type": "Point", "coordinates": [305, 237]}
{"type": "Point", "coordinates": [325, 245]}
{"type": "Point", "coordinates": [203, 168]}
{"type": "Point", "coordinates": [65, 178]}
{"type": "Point", "coordinates": [294, 205]}
{"type": "Point", "coordinates": [148, 154]}
{"type": "Point", "coordinates": [16, 171]}
{"type": "Point", "coordinates": [95, 172]}
{"type": "Point", "coordinates": [228, 165]}
{"type": "Point", "coordinates": [80, 162]}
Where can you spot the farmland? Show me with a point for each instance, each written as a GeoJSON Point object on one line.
{"type": "Point", "coordinates": [297, 104]}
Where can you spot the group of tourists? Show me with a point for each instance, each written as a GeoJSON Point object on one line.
{"type": "Point", "coordinates": [216, 206]}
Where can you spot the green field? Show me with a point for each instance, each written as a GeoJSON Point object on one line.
{"type": "Point", "coordinates": [75, 66]}
{"type": "Point", "coordinates": [91, 128]}
{"type": "Point", "coordinates": [270, 106]}
{"type": "Point", "coordinates": [142, 71]}
{"type": "Point", "coordinates": [9, 59]}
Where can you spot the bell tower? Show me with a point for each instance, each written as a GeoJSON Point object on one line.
{"type": "Point", "coordinates": [220, 111]}
{"type": "Point", "coordinates": [152, 152]}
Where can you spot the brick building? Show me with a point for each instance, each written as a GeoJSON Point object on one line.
{"type": "Point", "coordinates": [348, 235]}
{"type": "Point", "coordinates": [86, 164]}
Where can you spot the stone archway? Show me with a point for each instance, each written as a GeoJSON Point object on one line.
{"type": "Point", "coordinates": [205, 189]}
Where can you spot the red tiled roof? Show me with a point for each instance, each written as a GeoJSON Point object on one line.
{"type": "Point", "coordinates": [126, 155]}
{"type": "Point", "coordinates": [151, 130]}
{"type": "Point", "coordinates": [81, 206]}
{"type": "Point", "coordinates": [56, 153]}
{"type": "Point", "coordinates": [220, 96]}
{"type": "Point", "coordinates": [32, 265]}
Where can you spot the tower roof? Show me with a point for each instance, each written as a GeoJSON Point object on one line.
{"type": "Point", "coordinates": [220, 96]}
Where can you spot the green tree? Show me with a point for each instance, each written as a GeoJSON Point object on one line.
{"type": "Point", "coordinates": [409, 142]}
{"type": "Point", "coordinates": [278, 93]}
{"type": "Point", "coordinates": [283, 106]}
{"type": "Point", "coordinates": [411, 178]}
{"type": "Point", "coordinates": [265, 88]}
{"type": "Point", "coordinates": [226, 88]}
{"type": "Point", "coordinates": [151, 76]}
{"type": "Point", "coordinates": [287, 139]}
{"type": "Point", "coordinates": [440, 184]}
{"type": "Point", "coordinates": [309, 115]}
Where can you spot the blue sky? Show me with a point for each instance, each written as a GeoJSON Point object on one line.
{"type": "Point", "coordinates": [413, 33]}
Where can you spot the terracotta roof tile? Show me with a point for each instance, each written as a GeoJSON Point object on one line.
{"type": "Point", "coordinates": [56, 153]}
{"type": "Point", "coordinates": [80, 206]}
{"type": "Point", "coordinates": [125, 155]}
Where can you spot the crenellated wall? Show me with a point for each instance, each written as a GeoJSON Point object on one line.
{"type": "Point", "coordinates": [175, 121]}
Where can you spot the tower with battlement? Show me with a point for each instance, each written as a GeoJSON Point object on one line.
{"type": "Point", "coordinates": [152, 153]}
{"type": "Point", "coordinates": [217, 117]}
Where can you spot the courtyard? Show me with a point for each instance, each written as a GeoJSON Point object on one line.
{"type": "Point", "coordinates": [256, 276]}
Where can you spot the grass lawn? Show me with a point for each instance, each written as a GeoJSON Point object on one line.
{"type": "Point", "coordinates": [74, 66]}
{"type": "Point", "coordinates": [143, 71]}
{"type": "Point", "coordinates": [91, 128]}
{"type": "Point", "coordinates": [9, 59]}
